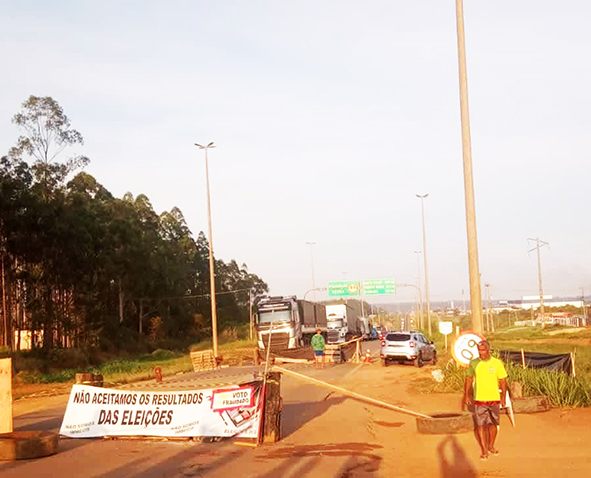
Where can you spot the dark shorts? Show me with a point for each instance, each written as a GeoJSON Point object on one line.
{"type": "Point", "coordinates": [487, 413]}
{"type": "Point", "coordinates": [319, 353]}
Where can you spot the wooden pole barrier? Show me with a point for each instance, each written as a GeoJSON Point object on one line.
{"type": "Point", "coordinates": [572, 361]}
{"type": "Point", "coordinates": [348, 392]}
{"type": "Point", "coordinates": [523, 358]}
{"type": "Point", "coordinates": [6, 395]}
{"type": "Point", "coordinates": [272, 409]}
{"type": "Point", "coordinates": [356, 339]}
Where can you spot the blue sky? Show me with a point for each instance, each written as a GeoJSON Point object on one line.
{"type": "Point", "coordinates": [328, 118]}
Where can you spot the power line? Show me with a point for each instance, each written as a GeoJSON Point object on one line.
{"type": "Point", "coordinates": [190, 296]}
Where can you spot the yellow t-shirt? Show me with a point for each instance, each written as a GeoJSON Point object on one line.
{"type": "Point", "coordinates": [487, 374]}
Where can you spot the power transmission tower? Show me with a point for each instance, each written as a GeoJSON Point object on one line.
{"type": "Point", "coordinates": [539, 245]}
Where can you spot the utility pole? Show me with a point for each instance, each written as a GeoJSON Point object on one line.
{"type": "Point", "coordinates": [489, 319]}
{"type": "Point", "coordinates": [464, 302]}
{"type": "Point", "coordinates": [250, 316]}
{"type": "Point", "coordinates": [584, 307]}
{"type": "Point", "coordinates": [312, 244]}
{"type": "Point", "coordinates": [486, 325]}
{"type": "Point", "coordinates": [428, 304]}
{"type": "Point", "coordinates": [539, 245]}
{"type": "Point", "coordinates": [473, 267]}
{"type": "Point", "coordinates": [421, 323]}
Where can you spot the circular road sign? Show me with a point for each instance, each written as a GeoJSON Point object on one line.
{"type": "Point", "coordinates": [465, 347]}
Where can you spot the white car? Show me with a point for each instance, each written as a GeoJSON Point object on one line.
{"type": "Point", "coordinates": [407, 346]}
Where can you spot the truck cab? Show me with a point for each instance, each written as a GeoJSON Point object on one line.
{"type": "Point", "coordinates": [336, 323]}
{"type": "Point", "coordinates": [281, 314]}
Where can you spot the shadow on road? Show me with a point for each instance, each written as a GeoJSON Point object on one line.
{"type": "Point", "coordinates": [46, 420]}
{"type": "Point", "coordinates": [193, 461]}
{"type": "Point", "coordinates": [453, 460]}
{"type": "Point", "coordinates": [295, 415]}
{"type": "Point", "coordinates": [361, 459]}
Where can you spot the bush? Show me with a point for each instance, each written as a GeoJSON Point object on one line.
{"type": "Point", "coordinates": [28, 376]}
{"type": "Point", "coordinates": [159, 354]}
{"type": "Point", "coordinates": [561, 389]}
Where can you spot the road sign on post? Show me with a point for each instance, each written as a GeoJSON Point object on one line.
{"type": "Point", "coordinates": [379, 286]}
{"type": "Point", "coordinates": [446, 328]}
{"type": "Point", "coordinates": [343, 288]}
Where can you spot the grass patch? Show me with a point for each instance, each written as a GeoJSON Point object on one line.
{"type": "Point", "coordinates": [582, 353]}
{"type": "Point", "coordinates": [561, 389]}
{"type": "Point", "coordinates": [227, 345]}
{"type": "Point", "coordinates": [127, 371]}
{"type": "Point", "coordinates": [34, 370]}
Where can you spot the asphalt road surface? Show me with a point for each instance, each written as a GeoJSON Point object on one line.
{"type": "Point", "coordinates": [303, 450]}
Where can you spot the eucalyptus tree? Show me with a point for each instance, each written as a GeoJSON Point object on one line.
{"type": "Point", "coordinates": [46, 133]}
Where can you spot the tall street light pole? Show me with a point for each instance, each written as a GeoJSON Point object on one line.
{"type": "Point", "coordinates": [427, 300]}
{"type": "Point", "coordinates": [475, 293]}
{"type": "Point", "coordinates": [312, 244]}
{"type": "Point", "coordinates": [418, 253]}
{"type": "Point", "coordinates": [214, 317]}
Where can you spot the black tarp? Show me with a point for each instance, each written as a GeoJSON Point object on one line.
{"type": "Point", "coordinates": [299, 353]}
{"type": "Point", "coordinates": [556, 362]}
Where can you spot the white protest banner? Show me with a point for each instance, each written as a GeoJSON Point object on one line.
{"type": "Point", "coordinates": [96, 412]}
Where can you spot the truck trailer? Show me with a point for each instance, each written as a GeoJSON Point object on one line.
{"type": "Point", "coordinates": [344, 322]}
{"type": "Point", "coordinates": [290, 321]}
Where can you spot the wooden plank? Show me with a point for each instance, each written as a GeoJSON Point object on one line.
{"type": "Point", "coordinates": [6, 395]}
{"type": "Point", "coordinates": [291, 360]}
{"type": "Point", "coordinates": [203, 360]}
{"type": "Point", "coordinates": [349, 393]}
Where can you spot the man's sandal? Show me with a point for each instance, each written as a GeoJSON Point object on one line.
{"type": "Point", "coordinates": [494, 452]}
{"type": "Point", "coordinates": [484, 457]}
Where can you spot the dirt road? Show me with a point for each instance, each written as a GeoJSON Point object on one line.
{"type": "Point", "coordinates": [330, 436]}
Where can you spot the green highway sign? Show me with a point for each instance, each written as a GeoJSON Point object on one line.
{"type": "Point", "coordinates": [379, 286]}
{"type": "Point", "coordinates": [343, 288]}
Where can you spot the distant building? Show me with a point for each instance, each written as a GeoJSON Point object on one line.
{"type": "Point", "coordinates": [533, 302]}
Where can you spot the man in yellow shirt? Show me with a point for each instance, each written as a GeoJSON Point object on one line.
{"type": "Point", "coordinates": [487, 375]}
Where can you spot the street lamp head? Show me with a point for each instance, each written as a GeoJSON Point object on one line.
{"type": "Point", "coordinates": [423, 196]}
{"type": "Point", "coordinates": [210, 145]}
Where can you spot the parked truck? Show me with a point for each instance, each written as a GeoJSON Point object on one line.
{"type": "Point", "coordinates": [291, 322]}
{"type": "Point", "coordinates": [344, 322]}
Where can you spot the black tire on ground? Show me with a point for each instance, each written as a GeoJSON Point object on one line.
{"type": "Point", "coordinates": [25, 445]}
{"type": "Point", "coordinates": [418, 362]}
{"type": "Point", "coordinates": [530, 404]}
{"type": "Point", "coordinates": [446, 423]}
{"type": "Point", "coordinates": [434, 360]}
{"type": "Point", "coordinates": [384, 362]}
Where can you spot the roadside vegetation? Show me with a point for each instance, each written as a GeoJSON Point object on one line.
{"type": "Point", "coordinates": [561, 389]}
{"type": "Point", "coordinates": [60, 366]}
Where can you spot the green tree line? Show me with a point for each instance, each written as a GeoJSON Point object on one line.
{"type": "Point", "coordinates": [80, 267]}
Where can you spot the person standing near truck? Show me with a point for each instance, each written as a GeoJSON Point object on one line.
{"type": "Point", "coordinates": [318, 345]}
{"type": "Point", "coordinates": [487, 375]}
